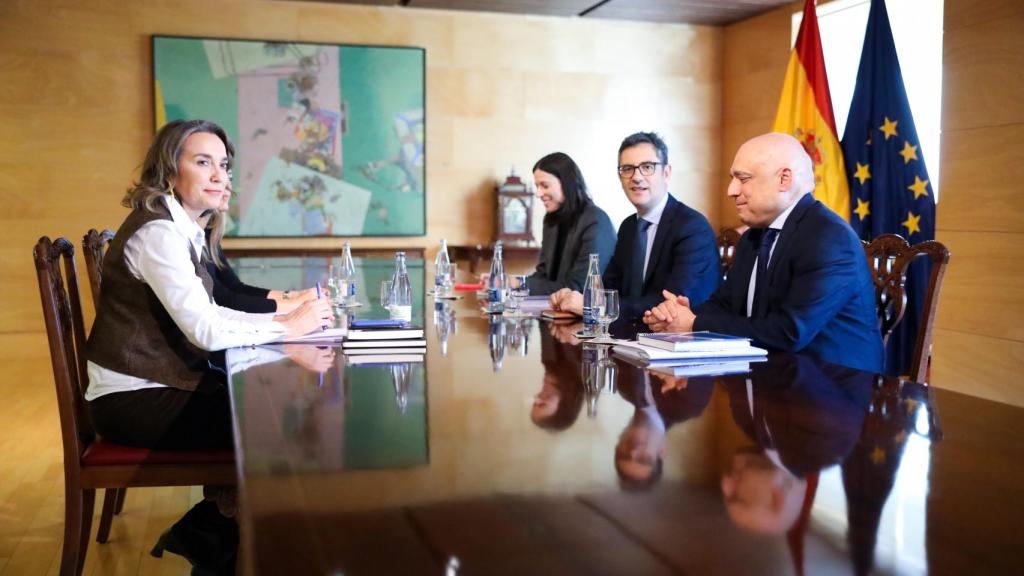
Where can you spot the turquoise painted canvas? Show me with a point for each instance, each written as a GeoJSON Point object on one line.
{"type": "Point", "coordinates": [329, 138]}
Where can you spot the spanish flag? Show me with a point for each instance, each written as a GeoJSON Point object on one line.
{"type": "Point", "coordinates": [805, 111]}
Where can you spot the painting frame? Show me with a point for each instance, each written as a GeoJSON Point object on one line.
{"type": "Point", "coordinates": [330, 137]}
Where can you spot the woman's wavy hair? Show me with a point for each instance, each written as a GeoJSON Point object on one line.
{"type": "Point", "coordinates": [160, 168]}
{"type": "Point", "coordinates": [561, 166]}
{"type": "Point", "coordinates": [215, 226]}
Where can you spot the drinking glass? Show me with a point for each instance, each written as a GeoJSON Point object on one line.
{"type": "Point", "coordinates": [385, 294]}
{"type": "Point", "coordinates": [519, 289]}
{"type": "Point", "coordinates": [608, 311]}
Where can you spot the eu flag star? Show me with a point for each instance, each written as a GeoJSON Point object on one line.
{"type": "Point", "coordinates": [909, 152]}
{"type": "Point", "coordinates": [878, 456]}
{"type": "Point", "coordinates": [919, 187]}
{"type": "Point", "coordinates": [912, 223]}
{"type": "Point", "coordinates": [863, 173]}
{"type": "Point", "coordinates": [863, 209]}
{"type": "Point", "coordinates": [888, 127]}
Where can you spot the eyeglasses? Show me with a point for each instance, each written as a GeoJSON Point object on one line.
{"type": "Point", "coordinates": [645, 168]}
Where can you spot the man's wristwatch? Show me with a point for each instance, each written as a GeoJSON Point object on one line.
{"type": "Point", "coordinates": [287, 295]}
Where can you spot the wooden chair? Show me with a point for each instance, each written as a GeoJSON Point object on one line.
{"type": "Point", "coordinates": [727, 240]}
{"type": "Point", "coordinates": [89, 462]}
{"type": "Point", "coordinates": [94, 246]}
{"type": "Point", "coordinates": [889, 256]}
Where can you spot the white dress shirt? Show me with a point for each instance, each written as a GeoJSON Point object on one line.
{"type": "Point", "coordinates": [158, 255]}
{"type": "Point", "coordinates": [777, 224]}
{"type": "Point", "coordinates": [654, 217]}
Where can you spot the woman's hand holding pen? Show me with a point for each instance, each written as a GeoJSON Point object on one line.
{"type": "Point", "coordinates": [309, 316]}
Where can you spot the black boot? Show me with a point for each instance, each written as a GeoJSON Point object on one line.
{"type": "Point", "coordinates": [208, 540]}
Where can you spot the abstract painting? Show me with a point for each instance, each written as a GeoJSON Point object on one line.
{"type": "Point", "coordinates": [329, 138]}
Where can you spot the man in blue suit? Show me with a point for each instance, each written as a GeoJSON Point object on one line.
{"type": "Point", "coordinates": [799, 280]}
{"type": "Point", "coordinates": [666, 245]}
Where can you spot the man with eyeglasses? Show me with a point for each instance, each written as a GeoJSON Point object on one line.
{"type": "Point", "coordinates": [799, 280]}
{"type": "Point", "coordinates": [666, 245]}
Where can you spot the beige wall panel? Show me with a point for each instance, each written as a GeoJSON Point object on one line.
{"type": "Point", "coordinates": [74, 23]}
{"type": "Point", "coordinates": [40, 78]}
{"type": "Point", "coordinates": [983, 290]}
{"type": "Point", "coordinates": [982, 80]}
{"type": "Point", "coordinates": [557, 98]}
{"type": "Point", "coordinates": [755, 96]}
{"type": "Point", "coordinates": [664, 101]}
{"type": "Point", "coordinates": [758, 43]}
{"type": "Point", "coordinates": [979, 366]}
{"type": "Point", "coordinates": [981, 175]}
{"type": "Point", "coordinates": [430, 29]}
{"type": "Point", "coordinates": [475, 93]}
{"type": "Point", "coordinates": [253, 19]}
{"type": "Point", "coordinates": [963, 13]}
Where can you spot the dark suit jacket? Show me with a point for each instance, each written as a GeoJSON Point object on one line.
{"type": "Point", "coordinates": [684, 261]}
{"type": "Point", "coordinates": [820, 298]}
{"type": "Point", "coordinates": [592, 232]}
{"type": "Point", "coordinates": [230, 292]}
{"type": "Point", "coordinates": [812, 412]}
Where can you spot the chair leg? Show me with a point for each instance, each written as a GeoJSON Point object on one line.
{"type": "Point", "coordinates": [88, 501]}
{"type": "Point", "coordinates": [73, 502]}
{"type": "Point", "coordinates": [121, 493]}
{"type": "Point", "coordinates": [110, 497]}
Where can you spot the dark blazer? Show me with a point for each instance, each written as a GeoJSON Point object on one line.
{"type": "Point", "coordinates": [230, 292]}
{"type": "Point", "coordinates": [591, 233]}
{"type": "Point", "coordinates": [820, 298]}
{"type": "Point", "coordinates": [811, 412]}
{"type": "Point", "coordinates": [684, 261]}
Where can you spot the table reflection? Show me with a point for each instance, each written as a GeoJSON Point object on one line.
{"type": "Point", "coordinates": [792, 466]}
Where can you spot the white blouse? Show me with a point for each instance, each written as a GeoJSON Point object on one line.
{"type": "Point", "coordinates": [158, 255]}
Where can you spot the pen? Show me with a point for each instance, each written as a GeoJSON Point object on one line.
{"type": "Point", "coordinates": [322, 326]}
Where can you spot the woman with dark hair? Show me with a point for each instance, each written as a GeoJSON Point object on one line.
{"type": "Point", "coordinates": [574, 227]}
{"type": "Point", "coordinates": [154, 381]}
{"type": "Point", "coordinates": [557, 406]}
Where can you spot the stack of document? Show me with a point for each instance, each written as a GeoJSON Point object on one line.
{"type": "Point", "coordinates": [384, 341]}
{"type": "Point", "coordinates": [691, 353]}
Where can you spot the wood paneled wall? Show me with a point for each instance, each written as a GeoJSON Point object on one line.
{"type": "Point", "coordinates": [756, 52]}
{"type": "Point", "coordinates": [979, 337]}
{"type": "Point", "coordinates": [502, 90]}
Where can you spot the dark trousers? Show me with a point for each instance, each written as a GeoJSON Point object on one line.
{"type": "Point", "coordinates": [168, 418]}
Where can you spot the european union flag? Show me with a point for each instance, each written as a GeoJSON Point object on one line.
{"type": "Point", "coordinates": [889, 188]}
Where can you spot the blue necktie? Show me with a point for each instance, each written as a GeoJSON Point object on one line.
{"type": "Point", "coordinates": [764, 252]}
{"type": "Point", "coordinates": [641, 252]}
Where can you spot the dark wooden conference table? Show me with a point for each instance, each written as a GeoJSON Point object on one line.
{"type": "Point", "coordinates": [513, 448]}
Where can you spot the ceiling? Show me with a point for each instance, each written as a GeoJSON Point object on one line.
{"type": "Point", "coordinates": [712, 12]}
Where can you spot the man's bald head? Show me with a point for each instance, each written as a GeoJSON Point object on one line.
{"type": "Point", "coordinates": [769, 174]}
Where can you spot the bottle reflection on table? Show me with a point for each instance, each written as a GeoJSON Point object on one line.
{"type": "Point", "coordinates": [444, 323]}
{"type": "Point", "coordinates": [401, 379]}
{"type": "Point", "coordinates": [599, 373]}
{"type": "Point", "coordinates": [496, 340]}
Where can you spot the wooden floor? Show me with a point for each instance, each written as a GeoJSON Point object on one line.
{"type": "Point", "coordinates": [32, 483]}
